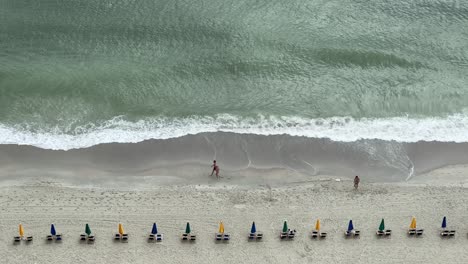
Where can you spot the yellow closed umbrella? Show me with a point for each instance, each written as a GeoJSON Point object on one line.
{"type": "Point", "coordinates": [317, 225]}
{"type": "Point", "coordinates": [413, 223]}
{"type": "Point", "coordinates": [21, 230]}
{"type": "Point", "coordinates": [221, 227]}
{"type": "Point", "coordinates": [121, 230]}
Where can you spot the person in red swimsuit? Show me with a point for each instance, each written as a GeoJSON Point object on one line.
{"type": "Point", "coordinates": [215, 169]}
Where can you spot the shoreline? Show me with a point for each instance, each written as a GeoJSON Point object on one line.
{"type": "Point", "coordinates": [244, 160]}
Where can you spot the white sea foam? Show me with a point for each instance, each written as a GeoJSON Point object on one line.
{"type": "Point", "coordinates": [452, 128]}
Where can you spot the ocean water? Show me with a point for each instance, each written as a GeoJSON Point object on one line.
{"type": "Point", "coordinates": [76, 73]}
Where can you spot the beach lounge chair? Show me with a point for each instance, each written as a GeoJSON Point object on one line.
{"type": "Point", "coordinates": [125, 238]}
{"type": "Point", "coordinates": [117, 237]}
{"type": "Point", "coordinates": [58, 237]}
{"type": "Point", "coordinates": [352, 233]}
{"type": "Point", "coordinates": [315, 234]}
{"type": "Point", "coordinates": [83, 237]}
{"type": "Point", "coordinates": [29, 239]}
{"type": "Point", "coordinates": [419, 232]}
{"type": "Point", "coordinates": [193, 237]}
{"type": "Point", "coordinates": [412, 231]}
{"type": "Point", "coordinates": [17, 239]}
{"type": "Point", "coordinates": [318, 234]}
{"type": "Point", "coordinates": [283, 235]}
{"type": "Point", "coordinates": [91, 239]}
{"type": "Point", "coordinates": [50, 238]}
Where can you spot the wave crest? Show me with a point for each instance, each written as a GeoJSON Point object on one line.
{"type": "Point", "coordinates": [453, 128]}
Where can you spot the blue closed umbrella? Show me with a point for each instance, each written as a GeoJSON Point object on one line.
{"type": "Point", "coordinates": [154, 231]}
{"type": "Point", "coordinates": [350, 225]}
{"type": "Point", "coordinates": [444, 222]}
{"type": "Point", "coordinates": [253, 229]}
{"type": "Point", "coordinates": [52, 230]}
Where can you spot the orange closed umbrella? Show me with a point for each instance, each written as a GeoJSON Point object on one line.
{"type": "Point", "coordinates": [121, 230]}
{"type": "Point", "coordinates": [21, 230]}
{"type": "Point", "coordinates": [413, 223]}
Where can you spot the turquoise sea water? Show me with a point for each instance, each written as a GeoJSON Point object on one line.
{"type": "Point", "coordinates": [75, 73]}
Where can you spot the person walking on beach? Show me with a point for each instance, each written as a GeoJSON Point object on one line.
{"type": "Point", "coordinates": [215, 169]}
{"type": "Point", "coordinates": [356, 182]}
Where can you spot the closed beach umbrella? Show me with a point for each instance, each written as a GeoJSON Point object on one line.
{"type": "Point", "coordinates": [253, 229]}
{"type": "Point", "coordinates": [52, 230]}
{"type": "Point", "coordinates": [382, 225]}
{"type": "Point", "coordinates": [21, 230]}
{"type": "Point", "coordinates": [154, 231]}
{"type": "Point", "coordinates": [187, 228]}
{"type": "Point", "coordinates": [87, 230]}
{"type": "Point", "coordinates": [285, 226]}
{"type": "Point", "coordinates": [444, 222]}
{"type": "Point", "coordinates": [413, 223]}
{"type": "Point", "coordinates": [221, 227]}
{"type": "Point", "coordinates": [350, 225]}
{"type": "Point", "coordinates": [121, 230]}
{"type": "Point", "coordinates": [317, 225]}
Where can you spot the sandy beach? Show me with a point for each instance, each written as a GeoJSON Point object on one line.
{"type": "Point", "coordinates": [168, 182]}
{"type": "Point", "coordinates": [39, 204]}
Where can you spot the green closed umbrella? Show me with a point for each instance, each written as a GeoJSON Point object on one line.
{"type": "Point", "coordinates": [382, 225]}
{"type": "Point", "coordinates": [285, 226]}
{"type": "Point", "coordinates": [187, 228]}
{"type": "Point", "coordinates": [88, 230]}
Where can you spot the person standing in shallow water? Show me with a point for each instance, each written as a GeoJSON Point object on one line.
{"type": "Point", "coordinates": [356, 182]}
{"type": "Point", "coordinates": [215, 169]}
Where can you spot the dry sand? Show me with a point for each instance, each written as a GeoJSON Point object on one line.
{"type": "Point", "coordinates": [37, 204]}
